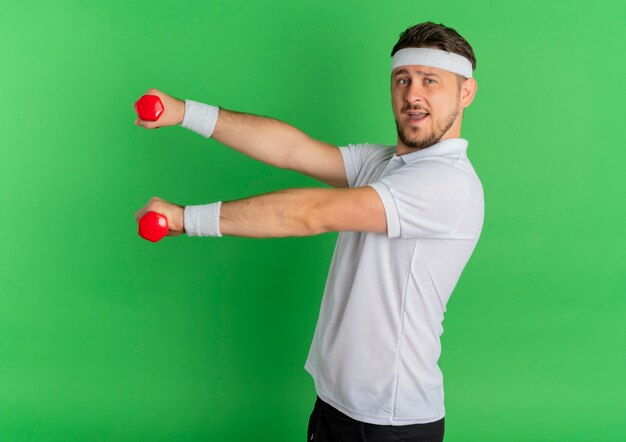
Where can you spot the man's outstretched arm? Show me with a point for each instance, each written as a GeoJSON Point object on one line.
{"type": "Point", "coordinates": [266, 139]}
{"type": "Point", "coordinates": [289, 212]}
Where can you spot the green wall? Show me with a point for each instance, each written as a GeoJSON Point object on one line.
{"type": "Point", "coordinates": [107, 337]}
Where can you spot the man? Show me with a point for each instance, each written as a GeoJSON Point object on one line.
{"type": "Point", "coordinates": [409, 218]}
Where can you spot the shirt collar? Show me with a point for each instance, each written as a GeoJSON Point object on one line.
{"type": "Point", "coordinates": [455, 147]}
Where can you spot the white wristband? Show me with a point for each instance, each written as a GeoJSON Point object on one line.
{"type": "Point", "coordinates": [203, 220]}
{"type": "Point", "coordinates": [200, 118]}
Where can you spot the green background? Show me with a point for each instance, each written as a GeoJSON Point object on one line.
{"type": "Point", "coordinates": [107, 337]}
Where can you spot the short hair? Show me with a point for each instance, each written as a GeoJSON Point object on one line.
{"type": "Point", "coordinates": [438, 36]}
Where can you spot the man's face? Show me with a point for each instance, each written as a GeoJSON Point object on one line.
{"type": "Point", "coordinates": [425, 103]}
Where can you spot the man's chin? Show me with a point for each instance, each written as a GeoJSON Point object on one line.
{"type": "Point", "coordinates": [416, 137]}
{"type": "Point", "coordinates": [418, 142]}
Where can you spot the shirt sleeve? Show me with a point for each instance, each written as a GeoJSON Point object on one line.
{"type": "Point", "coordinates": [354, 156]}
{"type": "Point", "coordinates": [424, 199]}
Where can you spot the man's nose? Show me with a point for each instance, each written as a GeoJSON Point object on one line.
{"type": "Point", "coordinates": [414, 93]}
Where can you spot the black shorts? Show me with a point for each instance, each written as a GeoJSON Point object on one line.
{"type": "Point", "coordinates": [327, 424]}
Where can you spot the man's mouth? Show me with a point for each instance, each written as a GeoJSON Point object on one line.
{"type": "Point", "coordinates": [416, 116]}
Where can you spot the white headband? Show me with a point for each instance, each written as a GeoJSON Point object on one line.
{"type": "Point", "coordinates": [435, 58]}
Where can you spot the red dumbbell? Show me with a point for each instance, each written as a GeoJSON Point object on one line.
{"type": "Point", "coordinates": [153, 226]}
{"type": "Point", "coordinates": [149, 107]}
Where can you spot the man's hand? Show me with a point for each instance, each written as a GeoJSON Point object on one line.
{"type": "Point", "coordinates": [173, 212]}
{"type": "Point", "coordinates": [173, 112]}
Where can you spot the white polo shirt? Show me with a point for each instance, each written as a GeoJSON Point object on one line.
{"type": "Point", "coordinates": [377, 340]}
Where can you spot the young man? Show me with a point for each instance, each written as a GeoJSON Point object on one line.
{"type": "Point", "coordinates": [409, 218]}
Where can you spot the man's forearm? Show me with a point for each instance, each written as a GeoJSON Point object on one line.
{"type": "Point", "coordinates": [262, 138]}
{"type": "Point", "coordinates": [277, 214]}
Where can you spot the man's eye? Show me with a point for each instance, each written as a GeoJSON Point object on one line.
{"type": "Point", "coordinates": [431, 81]}
{"type": "Point", "coordinates": [401, 80]}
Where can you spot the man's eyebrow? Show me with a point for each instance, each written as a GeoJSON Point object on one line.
{"type": "Point", "coordinates": [404, 71]}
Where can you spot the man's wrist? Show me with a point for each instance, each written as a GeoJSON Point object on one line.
{"type": "Point", "coordinates": [203, 220]}
{"type": "Point", "coordinates": [200, 117]}
{"type": "Point", "coordinates": [181, 111]}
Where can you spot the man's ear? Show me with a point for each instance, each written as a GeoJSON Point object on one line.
{"type": "Point", "coordinates": [468, 91]}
